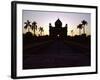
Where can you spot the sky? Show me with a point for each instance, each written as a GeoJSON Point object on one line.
{"type": "Point", "coordinates": [43, 18]}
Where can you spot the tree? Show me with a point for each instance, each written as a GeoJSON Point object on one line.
{"type": "Point", "coordinates": [27, 25]}
{"type": "Point", "coordinates": [84, 23]}
{"type": "Point", "coordinates": [72, 32]}
{"type": "Point", "coordinates": [79, 27]}
{"type": "Point", "coordinates": [41, 30]}
{"type": "Point", "coordinates": [34, 27]}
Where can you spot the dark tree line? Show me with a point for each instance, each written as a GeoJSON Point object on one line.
{"type": "Point", "coordinates": [33, 27]}
{"type": "Point", "coordinates": [82, 26]}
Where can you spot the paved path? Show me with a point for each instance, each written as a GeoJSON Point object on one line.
{"type": "Point", "coordinates": [57, 54]}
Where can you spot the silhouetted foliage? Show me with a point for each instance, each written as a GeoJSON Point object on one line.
{"type": "Point", "coordinates": [28, 37]}
{"type": "Point", "coordinates": [72, 32]}
{"type": "Point", "coordinates": [41, 30]}
{"type": "Point", "coordinates": [79, 27]}
{"type": "Point", "coordinates": [84, 23]}
{"type": "Point", "coordinates": [34, 27]}
{"type": "Point", "coordinates": [27, 24]}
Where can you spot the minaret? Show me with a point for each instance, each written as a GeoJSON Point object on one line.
{"type": "Point", "coordinates": [50, 29]}
{"type": "Point", "coordinates": [66, 28]}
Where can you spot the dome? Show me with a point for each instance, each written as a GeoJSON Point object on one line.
{"type": "Point", "coordinates": [58, 23]}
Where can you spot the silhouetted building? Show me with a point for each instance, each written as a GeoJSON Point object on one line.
{"type": "Point", "coordinates": [58, 30]}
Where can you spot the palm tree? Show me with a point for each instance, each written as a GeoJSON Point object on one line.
{"type": "Point", "coordinates": [27, 25]}
{"type": "Point", "coordinates": [72, 32]}
{"type": "Point", "coordinates": [34, 27]}
{"type": "Point", "coordinates": [84, 23]}
{"type": "Point", "coordinates": [41, 30]}
{"type": "Point", "coordinates": [79, 27]}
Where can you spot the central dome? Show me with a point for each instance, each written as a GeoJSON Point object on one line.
{"type": "Point", "coordinates": [58, 23]}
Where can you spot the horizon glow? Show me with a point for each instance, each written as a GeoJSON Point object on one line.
{"type": "Point", "coordinates": [43, 18]}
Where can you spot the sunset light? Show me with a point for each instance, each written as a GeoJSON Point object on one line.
{"type": "Point", "coordinates": [43, 18]}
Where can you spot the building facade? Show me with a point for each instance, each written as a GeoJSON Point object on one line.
{"type": "Point", "coordinates": [58, 30]}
